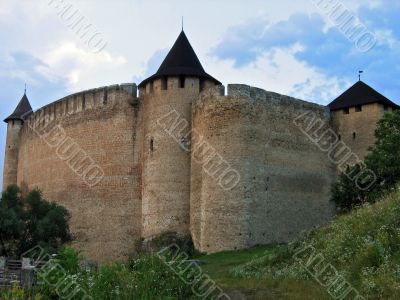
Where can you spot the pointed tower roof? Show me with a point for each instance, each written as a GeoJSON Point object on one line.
{"type": "Point", "coordinates": [23, 110]}
{"type": "Point", "coordinates": [359, 94]}
{"type": "Point", "coordinates": [181, 61]}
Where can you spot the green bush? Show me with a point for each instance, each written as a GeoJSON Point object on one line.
{"type": "Point", "coordinates": [27, 222]}
{"type": "Point", "coordinates": [146, 277]}
{"type": "Point", "coordinates": [345, 192]}
{"type": "Point", "coordinates": [166, 239]}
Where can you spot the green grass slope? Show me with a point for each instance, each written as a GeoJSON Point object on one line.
{"type": "Point", "coordinates": [358, 253]}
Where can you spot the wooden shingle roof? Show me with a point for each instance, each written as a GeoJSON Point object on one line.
{"type": "Point", "coordinates": [181, 61]}
{"type": "Point", "coordinates": [23, 110]}
{"type": "Point", "coordinates": [359, 94]}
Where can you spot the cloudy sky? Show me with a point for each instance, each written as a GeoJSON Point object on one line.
{"type": "Point", "coordinates": [300, 48]}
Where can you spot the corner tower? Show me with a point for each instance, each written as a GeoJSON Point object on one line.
{"type": "Point", "coordinates": [14, 125]}
{"type": "Point", "coordinates": [355, 115]}
{"type": "Point", "coordinates": [167, 98]}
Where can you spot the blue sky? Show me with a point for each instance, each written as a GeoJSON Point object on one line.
{"type": "Point", "coordinates": [290, 47]}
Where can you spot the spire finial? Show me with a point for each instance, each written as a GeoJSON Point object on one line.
{"type": "Point", "coordinates": [25, 89]}
{"type": "Point", "coordinates": [359, 75]}
{"type": "Point", "coordinates": [182, 23]}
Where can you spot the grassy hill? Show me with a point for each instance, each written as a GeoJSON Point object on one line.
{"type": "Point", "coordinates": [358, 253]}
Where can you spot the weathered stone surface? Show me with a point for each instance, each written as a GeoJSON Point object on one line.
{"type": "Point", "coordinates": [11, 153]}
{"type": "Point", "coordinates": [284, 178]}
{"type": "Point", "coordinates": [357, 128]}
{"type": "Point", "coordinates": [105, 128]}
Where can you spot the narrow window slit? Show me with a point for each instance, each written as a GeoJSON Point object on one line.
{"type": "Point", "coordinates": [151, 145]}
{"type": "Point", "coordinates": [164, 83]}
{"type": "Point", "coordinates": [182, 82]}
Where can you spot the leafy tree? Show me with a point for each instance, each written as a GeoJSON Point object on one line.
{"type": "Point", "coordinates": [26, 222]}
{"type": "Point", "coordinates": [384, 156]}
{"type": "Point", "coordinates": [383, 160]}
{"type": "Point", "coordinates": [345, 192]}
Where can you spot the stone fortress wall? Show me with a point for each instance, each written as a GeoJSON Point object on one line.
{"type": "Point", "coordinates": [152, 185]}
{"type": "Point", "coordinates": [59, 142]}
{"type": "Point", "coordinates": [284, 177]}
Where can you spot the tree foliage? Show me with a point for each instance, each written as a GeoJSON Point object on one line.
{"type": "Point", "coordinates": [383, 160]}
{"type": "Point", "coordinates": [384, 156]}
{"type": "Point", "coordinates": [26, 222]}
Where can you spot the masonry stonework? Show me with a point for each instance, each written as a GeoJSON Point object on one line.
{"type": "Point", "coordinates": [285, 178]}
{"type": "Point", "coordinates": [166, 165]}
{"type": "Point", "coordinates": [11, 153]}
{"type": "Point", "coordinates": [101, 126]}
{"type": "Point", "coordinates": [356, 128]}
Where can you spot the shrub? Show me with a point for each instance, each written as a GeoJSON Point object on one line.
{"type": "Point", "coordinates": [26, 222]}
{"type": "Point", "coordinates": [184, 242]}
{"type": "Point", "coordinates": [345, 192]}
{"type": "Point", "coordinates": [146, 277]}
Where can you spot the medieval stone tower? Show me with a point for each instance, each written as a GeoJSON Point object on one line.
{"type": "Point", "coordinates": [14, 126]}
{"type": "Point", "coordinates": [231, 168]}
{"type": "Point", "coordinates": [355, 114]}
{"type": "Point", "coordinates": [166, 164]}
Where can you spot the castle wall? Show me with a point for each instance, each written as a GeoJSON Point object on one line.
{"type": "Point", "coordinates": [284, 185]}
{"type": "Point", "coordinates": [166, 160]}
{"type": "Point", "coordinates": [11, 153]}
{"type": "Point", "coordinates": [84, 152]}
{"type": "Point", "coordinates": [357, 128]}
{"type": "Point", "coordinates": [234, 171]}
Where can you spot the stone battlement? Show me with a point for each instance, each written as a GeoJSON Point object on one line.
{"type": "Point", "coordinates": [252, 95]}
{"type": "Point", "coordinates": [82, 101]}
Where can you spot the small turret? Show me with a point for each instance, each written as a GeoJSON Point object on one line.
{"type": "Point", "coordinates": [355, 115]}
{"type": "Point", "coordinates": [14, 125]}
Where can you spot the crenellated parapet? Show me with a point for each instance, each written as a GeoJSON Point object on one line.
{"type": "Point", "coordinates": [245, 94]}
{"type": "Point", "coordinates": [88, 100]}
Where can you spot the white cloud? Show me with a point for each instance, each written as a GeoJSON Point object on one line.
{"type": "Point", "coordinates": [82, 68]}
{"type": "Point", "coordinates": [279, 71]}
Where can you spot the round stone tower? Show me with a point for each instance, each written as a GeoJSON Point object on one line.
{"type": "Point", "coordinates": [14, 125]}
{"type": "Point", "coordinates": [167, 98]}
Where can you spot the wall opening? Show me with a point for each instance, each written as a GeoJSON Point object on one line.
{"type": "Point", "coordinates": [83, 102]}
{"type": "Point", "coordinates": [164, 83]}
{"type": "Point", "coordinates": [354, 135]}
{"type": "Point", "coordinates": [346, 111]}
{"type": "Point", "coordinates": [202, 83]}
{"type": "Point", "coordinates": [340, 137]}
{"type": "Point", "coordinates": [151, 87]}
{"type": "Point", "coordinates": [181, 82]}
{"type": "Point", "coordinates": [105, 96]}
{"type": "Point", "coordinates": [358, 108]}
{"type": "Point", "coordinates": [151, 145]}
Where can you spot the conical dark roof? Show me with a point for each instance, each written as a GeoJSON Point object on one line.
{"type": "Point", "coordinates": [23, 110]}
{"type": "Point", "coordinates": [359, 94]}
{"type": "Point", "coordinates": [181, 61]}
